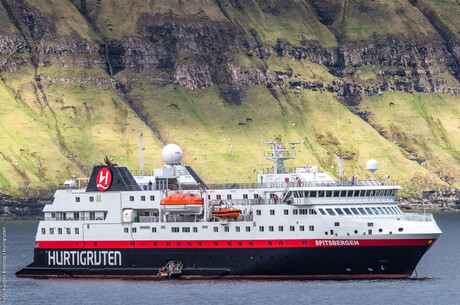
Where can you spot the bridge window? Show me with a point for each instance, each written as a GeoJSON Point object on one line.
{"type": "Point", "coordinates": [368, 210]}
{"type": "Point", "coordinates": [322, 211]}
{"type": "Point", "coordinates": [343, 193]}
{"type": "Point", "coordinates": [375, 211]}
{"type": "Point", "coordinates": [313, 194]}
{"type": "Point", "coordinates": [350, 194]}
{"type": "Point", "coordinates": [328, 193]}
{"type": "Point", "coordinates": [336, 193]}
{"type": "Point", "coordinates": [355, 211]}
{"type": "Point", "coordinates": [380, 210]}
{"type": "Point", "coordinates": [339, 211]}
{"type": "Point", "coordinates": [330, 212]}
{"type": "Point", "coordinates": [356, 193]}
{"type": "Point", "coordinates": [321, 194]}
{"type": "Point", "coordinates": [312, 212]}
{"type": "Point", "coordinates": [347, 211]}
{"type": "Point", "coordinates": [362, 211]}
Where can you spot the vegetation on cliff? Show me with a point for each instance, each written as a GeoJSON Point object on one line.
{"type": "Point", "coordinates": [368, 79]}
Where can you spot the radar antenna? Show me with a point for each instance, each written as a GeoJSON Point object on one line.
{"type": "Point", "coordinates": [278, 154]}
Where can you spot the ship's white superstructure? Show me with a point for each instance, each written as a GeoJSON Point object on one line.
{"type": "Point", "coordinates": [302, 209]}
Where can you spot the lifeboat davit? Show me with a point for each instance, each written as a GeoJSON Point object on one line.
{"type": "Point", "coordinates": [187, 203]}
{"type": "Point", "coordinates": [226, 213]}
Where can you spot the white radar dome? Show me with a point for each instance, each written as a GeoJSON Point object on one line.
{"type": "Point", "coordinates": [171, 154]}
{"type": "Point", "coordinates": [372, 165]}
{"type": "Point", "coordinates": [314, 169]}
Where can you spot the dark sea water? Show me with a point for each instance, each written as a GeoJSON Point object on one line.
{"type": "Point", "coordinates": [441, 263]}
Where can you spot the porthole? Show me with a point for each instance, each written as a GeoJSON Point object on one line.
{"type": "Point", "coordinates": [356, 231]}
{"type": "Point", "coordinates": [380, 230]}
{"type": "Point", "coordinates": [325, 233]}
{"type": "Point", "coordinates": [400, 229]}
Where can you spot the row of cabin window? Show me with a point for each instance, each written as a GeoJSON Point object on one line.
{"type": "Point", "coordinates": [226, 229]}
{"type": "Point", "coordinates": [59, 230]}
{"type": "Point", "coordinates": [262, 228]}
{"type": "Point", "coordinates": [344, 193]}
{"type": "Point", "coordinates": [360, 211]}
{"type": "Point", "coordinates": [76, 216]}
{"type": "Point", "coordinates": [131, 198]}
{"type": "Point", "coordinates": [294, 212]}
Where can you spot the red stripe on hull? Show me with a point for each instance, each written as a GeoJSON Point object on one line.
{"type": "Point", "coordinates": [233, 243]}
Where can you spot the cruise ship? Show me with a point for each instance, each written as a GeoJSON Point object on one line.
{"type": "Point", "coordinates": [294, 223]}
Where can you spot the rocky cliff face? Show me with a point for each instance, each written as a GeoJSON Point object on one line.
{"type": "Point", "coordinates": [353, 52]}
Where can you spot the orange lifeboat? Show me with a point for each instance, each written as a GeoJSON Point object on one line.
{"type": "Point", "coordinates": [226, 213]}
{"type": "Point", "coordinates": [187, 203]}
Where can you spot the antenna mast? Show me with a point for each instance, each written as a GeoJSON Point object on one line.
{"type": "Point", "coordinates": [141, 153]}
{"type": "Point", "coordinates": [340, 169]}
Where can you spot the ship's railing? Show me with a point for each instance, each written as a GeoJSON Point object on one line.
{"type": "Point", "coordinates": [302, 184]}
{"type": "Point", "coordinates": [417, 216]}
{"type": "Point", "coordinates": [216, 202]}
{"type": "Point", "coordinates": [72, 219]}
{"type": "Point", "coordinates": [343, 200]}
{"type": "Point", "coordinates": [286, 170]}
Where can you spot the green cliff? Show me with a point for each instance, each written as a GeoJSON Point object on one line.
{"type": "Point", "coordinates": [368, 79]}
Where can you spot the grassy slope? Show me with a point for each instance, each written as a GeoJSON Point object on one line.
{"type": "Point", "coordinates": [95, 121]}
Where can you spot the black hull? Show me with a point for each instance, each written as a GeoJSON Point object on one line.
{"type": "Point", "coordinates": [291, 263]}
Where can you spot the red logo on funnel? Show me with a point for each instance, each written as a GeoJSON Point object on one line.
{"type": "Point", "coordinates": [103, 179]}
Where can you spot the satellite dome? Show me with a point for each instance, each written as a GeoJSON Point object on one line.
{"type": "Point", "coordinates": [171, 154]}
{"type": "Point", "coordinates": [314, 169]}
{"type": "Point", "coordinates": [372, 165]}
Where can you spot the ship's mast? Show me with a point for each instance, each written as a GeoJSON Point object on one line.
{"type": "Point", "coordinates": [278, 154]}
{"type": "Point", "coordinates": [141, 153]}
